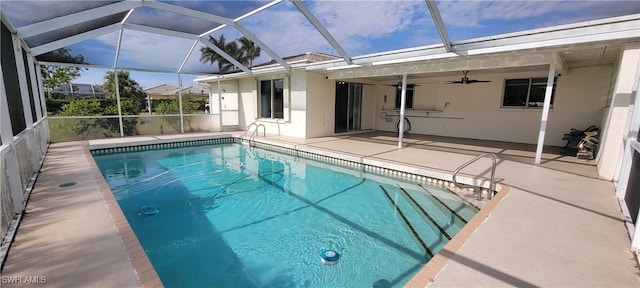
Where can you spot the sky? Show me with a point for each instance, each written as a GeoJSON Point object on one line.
{"type": "Point", "coordinates": [361, 27]}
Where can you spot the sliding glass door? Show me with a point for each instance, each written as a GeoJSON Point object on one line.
{"type": "Point", "coordinates": [348, 107]}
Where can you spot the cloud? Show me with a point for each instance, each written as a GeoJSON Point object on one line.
{"type": "Point", "coordinates": [152, 51]}
{"type": "Point", "coordinates": [354, 23]}
{"type": "Point", "coordinates": [470, 14]}
{"type": "Point", "coordinates": [286, 31]}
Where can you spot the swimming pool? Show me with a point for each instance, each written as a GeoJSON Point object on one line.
{"type": "Point", "coordinates": [232, 215]}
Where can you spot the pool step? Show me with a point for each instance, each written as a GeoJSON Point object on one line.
{"type": "Point", "coordinates": [424, 213]}
{"type": "Point", "coordinates": [406, 222]}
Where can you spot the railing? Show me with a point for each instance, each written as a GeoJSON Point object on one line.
{"type": "Point", "coordinates": [492, 184]}
{"type": "Point", "coordinates": [253, 134]}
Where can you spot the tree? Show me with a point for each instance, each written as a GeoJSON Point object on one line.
{"type": "Point", "coordinates": [234, 51]}
{"type": "Point", "coordinates": [172, 106]}
{"type": "Point", "coordinates": [250, 49]}
{"type": "Point", "coordinates": [82, 107]}
{"type": "Point", "coordinates": [244, 53]}
{"type": "Point", "coordinates": [131, 100]}
{"type": "Point", "coordinates": [55, 76]}
{"type": "Point", "coordinates": [210, 56]}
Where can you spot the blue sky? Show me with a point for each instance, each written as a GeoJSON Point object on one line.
{"type": "Point", "coordinates": [361, 27]}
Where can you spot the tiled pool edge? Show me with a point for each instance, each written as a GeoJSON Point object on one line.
{"type": "Point", "coordinates": [147, 276]}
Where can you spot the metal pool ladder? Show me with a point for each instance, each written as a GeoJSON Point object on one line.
{"type": "Point", "coordinates": [253, 134]}
{"type": "Point", "coordinates": [492, 184]}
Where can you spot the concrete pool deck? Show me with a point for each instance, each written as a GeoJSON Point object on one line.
{"type": "Point", "coordinates": [558, 226]}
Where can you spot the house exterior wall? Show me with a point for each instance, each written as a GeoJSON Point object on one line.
{"type": "Point", "coordinates": [369, 103]}
{"type": "Point", "coordinates": [617, 114]}
{"type": "Point", "coordinates": [320, 104]}
{"type": "Point", "coordinates": [229, 104]}
{"type": "Point", "coordinates": [474, 111]}
{"type": "Point", "coordinates": [247, 102]}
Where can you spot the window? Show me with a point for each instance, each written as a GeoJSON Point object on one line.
{"type": "Point", "coordinates": [526, 93]}
{"type": "Point", "coordinates": [272, 99]}
{"type": "Point", "coordinates": [408, 99]}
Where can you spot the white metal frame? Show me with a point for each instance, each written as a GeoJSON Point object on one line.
{"type": "Point", "coordinates": [631, 146]}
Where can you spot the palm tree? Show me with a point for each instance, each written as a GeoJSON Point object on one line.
{"type": "Point", "coordinates": [132, 101]}
{"type": "Point", "coordinates": [129, 88]}
{"type": "Point", "coordinates": [245, 53]}
{"type": "Point", "coordinates": [210, 56]}
{"type": "Point", "coordinates": [250, 49]}
{"type": "Point", "coordinates": [236, 52]}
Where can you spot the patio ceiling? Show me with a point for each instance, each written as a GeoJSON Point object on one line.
{"type": "Point", "coordinates": [183, 27]}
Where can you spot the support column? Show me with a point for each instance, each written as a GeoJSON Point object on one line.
{"type": "Point", "coordinates": [180, 103]}
{"type": "Point", "coordinates": [545, 112]}
{"type": "Point", "coordinates": [34, 86]}
{"type": "Point", "coordinates": [43, 101]}
{"type": "Point", "coordinates": [219, 103]}
{"type": "Point", "coordinates": [403, 100]}
{"type": "Point", "coordinates": [115, 78]}
{"type": "Point", "coordinates": [22, 79]}
{"type": "Point", "coordinates": [117, 84]}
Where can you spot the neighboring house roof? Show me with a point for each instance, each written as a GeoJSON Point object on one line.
{"type": "Point", "coordinates": [193, 90]}
{"type": "Point", "coordinates": [79, 90]}
{"type": "Point", "coordinates": [168, 90]}
{"type": "Point", "coordinates": [160, 89]}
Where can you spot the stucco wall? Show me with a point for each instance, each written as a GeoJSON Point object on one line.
{"type": "Point", "coordinates": [474, 110]}
{"type": "Point", "coordinates": [320, 110]}
{"type": "Point", "coordinates": [611, 143]}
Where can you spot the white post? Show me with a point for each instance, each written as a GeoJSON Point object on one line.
{"type": "Point", "coordinates": [545, 112]}
{"type": "Point", "coordinates": [180, 103]}
{"type": "Point", "coordinates": [34, 86]}
{"type": "Point", "coordinates": [115, 78]}
{"type": "Point", "coordinates": [43, 100]}
{"type": "Point", "coordinates": [149, 104]}
{"type": "Point", "coordinates": [22, 81]}
{"type": "Point", "coordinates": [219, 103]}
{"type": "Point", "coordinates": [403, 100]}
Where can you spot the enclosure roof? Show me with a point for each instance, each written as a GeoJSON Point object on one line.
{"type": "Point", "coordinates": [167, 36]}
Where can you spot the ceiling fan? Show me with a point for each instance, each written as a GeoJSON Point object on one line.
{"type": "Point", "coordinates": [399, 85]}
{"type": "Point", "coordinates": [466, 80]}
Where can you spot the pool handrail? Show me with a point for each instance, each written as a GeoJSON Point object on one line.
{"type": "Point", "coordinates": [253, 134]}
{"type": "Point", "coordinates": [492, 183]}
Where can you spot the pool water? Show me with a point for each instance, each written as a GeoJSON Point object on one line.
{"type": "Point", "coordinates": [234, 216]}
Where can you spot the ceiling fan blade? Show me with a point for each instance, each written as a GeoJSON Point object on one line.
{"type": "Point", "coordinates": [408, 85]}
{"type": "Point", "coordinates": [477, 81]}
{"type": "Point", "coordinates": [455, 82]}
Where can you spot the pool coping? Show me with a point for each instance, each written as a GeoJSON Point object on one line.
{"type": "Point", "coordinates": [147, 274]}
{"type": "Point", "coordinates": [144, 270]}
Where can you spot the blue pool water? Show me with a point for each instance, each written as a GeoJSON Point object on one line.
{"type": "Point", "coordinates": [232, 216]}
